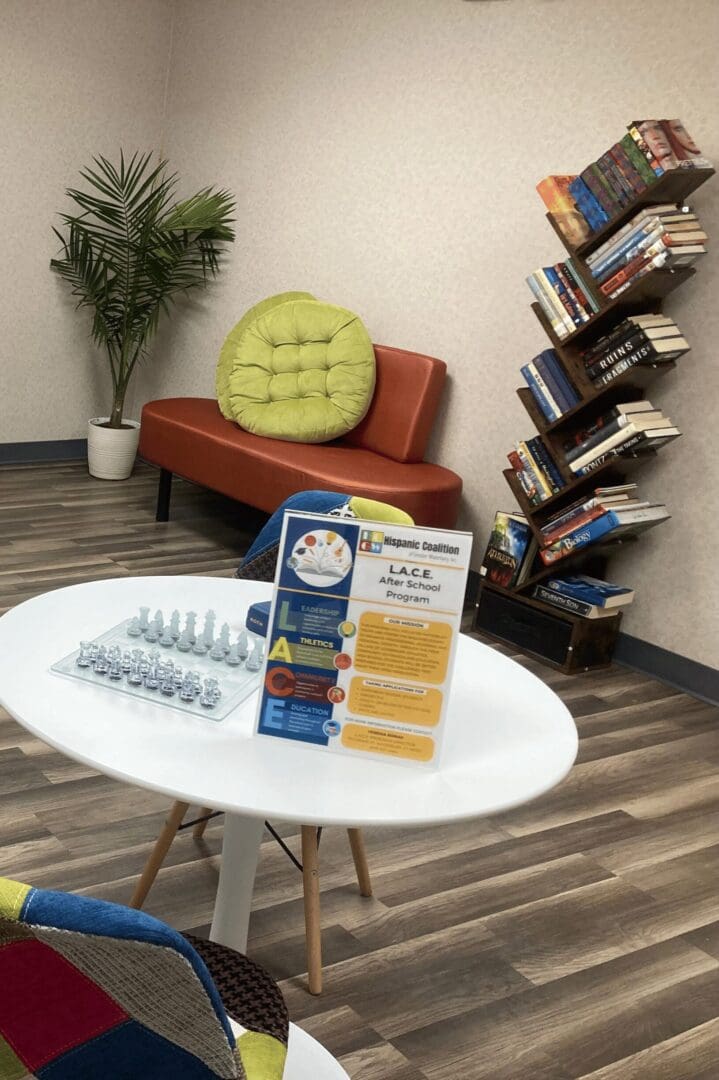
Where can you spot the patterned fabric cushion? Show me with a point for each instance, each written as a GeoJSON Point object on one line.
{"type": "Point", "coordinates": [94, 991]}
{"type": "Point", "coordinates": [261, 559]}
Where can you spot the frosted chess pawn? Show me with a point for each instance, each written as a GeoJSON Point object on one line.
{"type": "Point", "coordinates": [144, 619]}
{"type": "Point", "coordinates": [134, 629]}
{"type": "Point", "coordinates": [83, 657]}
{"type": "Point", "coordinates": [199, 648]}
{"type": "Point", "coordinates": [224, 637]}
{"type": "Point", "coordinates": [254, 661]}
{"type": "Point", "coordinates": [187, 691]}
{"type": "Point", "coordinates": [126, 661]}
{"type": "Point", "coordinates": [166, 638]}
{"type": "Point", "coordinates": [175, 624]}
{"type": "Point", "coordinates": [184, 643]}
{"type": "Point", "coordinates": [167, 688]}
{"type": "Point", "coordinates": [217, 652]}
{"type": "Point", "coordinates": [152, 634]}
{"type": "Point", "coordinates": [159, 619]}
{"type": "Point", "coordinates": [233, 656]}
{"type": "Point", "coordinates": [115, 670]}
{"type": "Point", "coordinates": [134, 675]}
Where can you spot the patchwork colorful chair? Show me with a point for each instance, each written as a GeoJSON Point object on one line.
{"type": "Point", "coordinates": [94, 991]}
{"type": "Point", "coordinates": [259, 565]}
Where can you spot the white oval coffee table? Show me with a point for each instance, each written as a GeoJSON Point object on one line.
{"type": "Point", "coordinates": [508, 740]}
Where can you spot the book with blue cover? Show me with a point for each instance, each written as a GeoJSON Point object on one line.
{"type": "Point", "coordinates": [541, 393]}
{"type": "Point", "coordinates": [510, 550]}
{"type": "Point", "coordinates": [590, 590]}
{"type": "Point", "coordinates": [550, 368]}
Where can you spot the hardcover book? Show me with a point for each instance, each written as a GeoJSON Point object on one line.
{"type": "Point", "coordinates": [509, 547]}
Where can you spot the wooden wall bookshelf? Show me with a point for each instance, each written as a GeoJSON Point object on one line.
{"type": "Point", "coordinates": [512, 615]}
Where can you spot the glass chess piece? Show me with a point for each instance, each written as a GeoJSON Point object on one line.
{"type": "Point", "coordinates": [178, 677]}
{"type": "Point", "coordinates": [233, 656]}
{"type": "Point", "coordinates": [189, 630]}
{"type": "Point", "coordinates": [166, 638]}
{"type": "Point", "coordinates": [187, 691]}
{"type": "Point", "coordinates": [114, 652]}
{"type": "Point", "coordinates": [134, 629]}
{"type": "Point", "coordinates": [151, 680]}
{"type": "Point", "coordinates": [175, 624]}
{"type": "Point", "coordinates": [83, 657]}
{"type": "Point", "coordinates": [167, 688]}
{"type": "Point", "coordinates": [207, 700]}
{"type": "Point", "coordinates": [224, 638]}
{"type": "Point", "coordinates": [144, 619]}
{"type": "Point", "coordinates": [159, 618]}
{"type": "Point", "coordinates": [208, 631]}
{"type": "Point", "coordinates": [102, 665]}
{"type": "Point", "coordinates": [184, 643]}
{"type": "Point", "coordinates": [254, 661]}
{"type": "Point", "coordinates": [93, 650]}
{"type": "Point", "coordinates": [199, 648]}
{"type": "Point", "coordinates": [152, 634]}
{"type": "Point", "coordinates": [217, 652]}
{"type": "Point", "coordinates": [242, 646]}
{"type": "Point", "coordinates": [211, 687]}
{"type": "Point", "coordinates": [115, 670]}
{"type": "Point", "coordinates": [126, 662]}
{"type": "Point", "coordinates": [134, 675]}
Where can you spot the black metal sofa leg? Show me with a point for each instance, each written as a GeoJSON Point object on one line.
{"type": "Point", "coordinates": [164, 490]}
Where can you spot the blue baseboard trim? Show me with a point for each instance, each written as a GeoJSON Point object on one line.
{"type": "Point", "coordinates": [26, 453]}
{"type": "Point", "coordinates": [693, 678]}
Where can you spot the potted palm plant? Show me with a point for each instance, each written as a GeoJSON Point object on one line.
{"type": "Point", "coordinates": [128, 252]}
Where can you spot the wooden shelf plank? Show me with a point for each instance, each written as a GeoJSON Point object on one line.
{"type": "Point", "coordinates": [673, 187]}
{"type": "Point", "coordinates": [588, 552]}
{"type": "Point", "coordinates": [642, 295]}
{"type": "Point", "coordinates": [570, 616]}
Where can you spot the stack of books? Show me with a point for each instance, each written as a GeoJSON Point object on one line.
{"type": "Point", "coordinates": [657, 236]}
{"type": "Point", "coordinates": [550, 385]}
{"type": "Point", "coordinates": [632, 426]}
{"type": "Point", "coordinates": [608, 513]}
{"type": "Point", "coordinates": [637, 339]}
{"type": "Point", "coordinates": [582, 205]}
{"type": "Point", "coordinates": [536, 470]}
{"type": "Point", "coordinates": [566, 300]}
{"type": "Point", "coordinates": [583, 595]}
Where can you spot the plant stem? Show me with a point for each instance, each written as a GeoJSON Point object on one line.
{"type": "Point", "coordinates": [118, 405]}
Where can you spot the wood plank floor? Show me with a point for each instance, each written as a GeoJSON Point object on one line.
{"type": "Point", "coordinates": [577, 937]}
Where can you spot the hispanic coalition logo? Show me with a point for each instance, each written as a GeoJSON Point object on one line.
{"type": "Point", "coordinates": [371, 541]}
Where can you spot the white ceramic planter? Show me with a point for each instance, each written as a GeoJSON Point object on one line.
{"type": "Point", "coordinates": [111, 451]}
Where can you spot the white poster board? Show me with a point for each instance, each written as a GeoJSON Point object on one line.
{"type": "Point", "coordinates": [362, 636]}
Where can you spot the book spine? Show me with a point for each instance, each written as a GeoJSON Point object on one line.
{"type": "Point", "coordinates": [577, 308]}
{"type": "Point", "coordinates": [627, 169]}
{"type": "Point", "coordinates": [610, 358]}
{"type": "Point", "coordinates": [599, 192]}
{"type": "Point", "coordinates": [576, 522]}
{"type": "Point", "coordinates": [655, 263]}
{"type": "Point", "coordinates": [638, 160]}
{"type": "Point", "coordinates": [621, 253]}
{"type": "Point", "coordinates": [587, 203]}
{"type": "Point", "coordinates": [572, 512]}
{"type": "Point", "coordinates": [534, 472]}
{"type": "Point", "coordinates": [616, 451]}
{"type": "Point", "coordinates": [597, 438]}
{"type": "Point", "coordinates": [645, 151]}
{"type": "Point", "coordinates": [553, 279]}
{"type": "Point", "coordinates": [556, 323]}
{"type": "Point", "coordinates": [638, 263]}
{"type": "Point", "coordinates": [582, 292]}
{"type": "Point", "coordinates": [610, 174]}
{"type": "Point", "coordinates": [541, 455]}
{"type": "Point", "coordinates": [525, 480]}
{"type": "Point", "coordinates": [616, 202]}
{"type": "Point", "coordinates": [550, 360]}
{"type": "Point", "coordinates": [607, 341]}
{"type": "Point", "coordinates": [580, 538]}
{"type": "Point", "coordinates": [567, 603]}
{"type": "Point", "coordinates": [540, 393]}
{"type": "Point", "coordinates": [584, 592]}
{"type": "Point", "coordinates": [556, 387]}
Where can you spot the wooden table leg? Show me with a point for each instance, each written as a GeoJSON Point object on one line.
{"type": "Point", "coordinates": [313, 931]}
{"type": "Point", "coordinates": [160, 850]}
{"type": "Point", "coordinates": [360, 860]}
{"type": "Point", "coordinates": [199, 830]}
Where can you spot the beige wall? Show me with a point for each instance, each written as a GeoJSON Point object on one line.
{"type": "Point", "coordinates": [384, 155]}
{"type": "Point", "coordinates": [77, 78]}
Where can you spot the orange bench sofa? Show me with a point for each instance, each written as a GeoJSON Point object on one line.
{"type": "Point", "coordinates": [380, 459]}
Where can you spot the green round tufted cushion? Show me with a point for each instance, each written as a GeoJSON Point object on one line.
{"type": "Point", "coordinates": [304, 371]}
{"type": "Point", "coordinates": [227, 353]}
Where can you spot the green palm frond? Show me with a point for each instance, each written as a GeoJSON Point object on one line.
{"type": "Point", "coordinates": [131, 250]}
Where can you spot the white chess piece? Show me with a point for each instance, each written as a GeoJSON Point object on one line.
{"type": "Point", "coordinates": [208, 632]}
{"type": "Point", "coordinates": [175, 624]}
{"type": "Point", "coordinates": [254, 662]}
